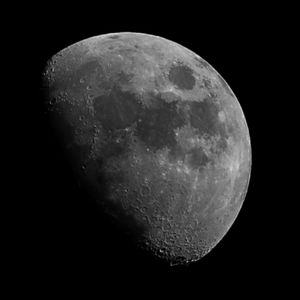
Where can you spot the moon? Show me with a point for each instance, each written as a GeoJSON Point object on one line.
{"type": "Point", "coordinates": [156, 135]}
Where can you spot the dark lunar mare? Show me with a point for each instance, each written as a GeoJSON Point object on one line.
{"type": "Point", "coordinates": [157, 124]}
{"type": "Point", "coordinates": [117, 109]}
{"type": "Point", "coordinates": [182, 77]}
{"type": "Point", "coordinates": [203, 116]}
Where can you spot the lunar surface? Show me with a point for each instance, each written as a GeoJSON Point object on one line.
{"type": "Point", "coordinates": [156, 135]}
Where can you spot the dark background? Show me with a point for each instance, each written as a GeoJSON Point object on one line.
{"type": "Point", "coordinates": [66, 239]}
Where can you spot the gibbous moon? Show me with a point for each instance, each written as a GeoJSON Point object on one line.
{"type": "Point", "coordinates": [157, 136]}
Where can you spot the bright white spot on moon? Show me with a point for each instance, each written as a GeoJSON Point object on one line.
{"type": "Point", "coordinates": [222, 117]}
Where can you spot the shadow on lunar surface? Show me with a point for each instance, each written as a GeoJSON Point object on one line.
{"type": "Point", "coordinates": [92, 236]}
{"type": "Point", "coordinates": [123, 219]}
{"type": "Point", "coordinates": [79, 240]}
{"type": "Point", "coordinates": [105, 227]}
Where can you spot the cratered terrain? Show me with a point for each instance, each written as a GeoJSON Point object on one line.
{"type": "Point", "coordinates": [157, 137]}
